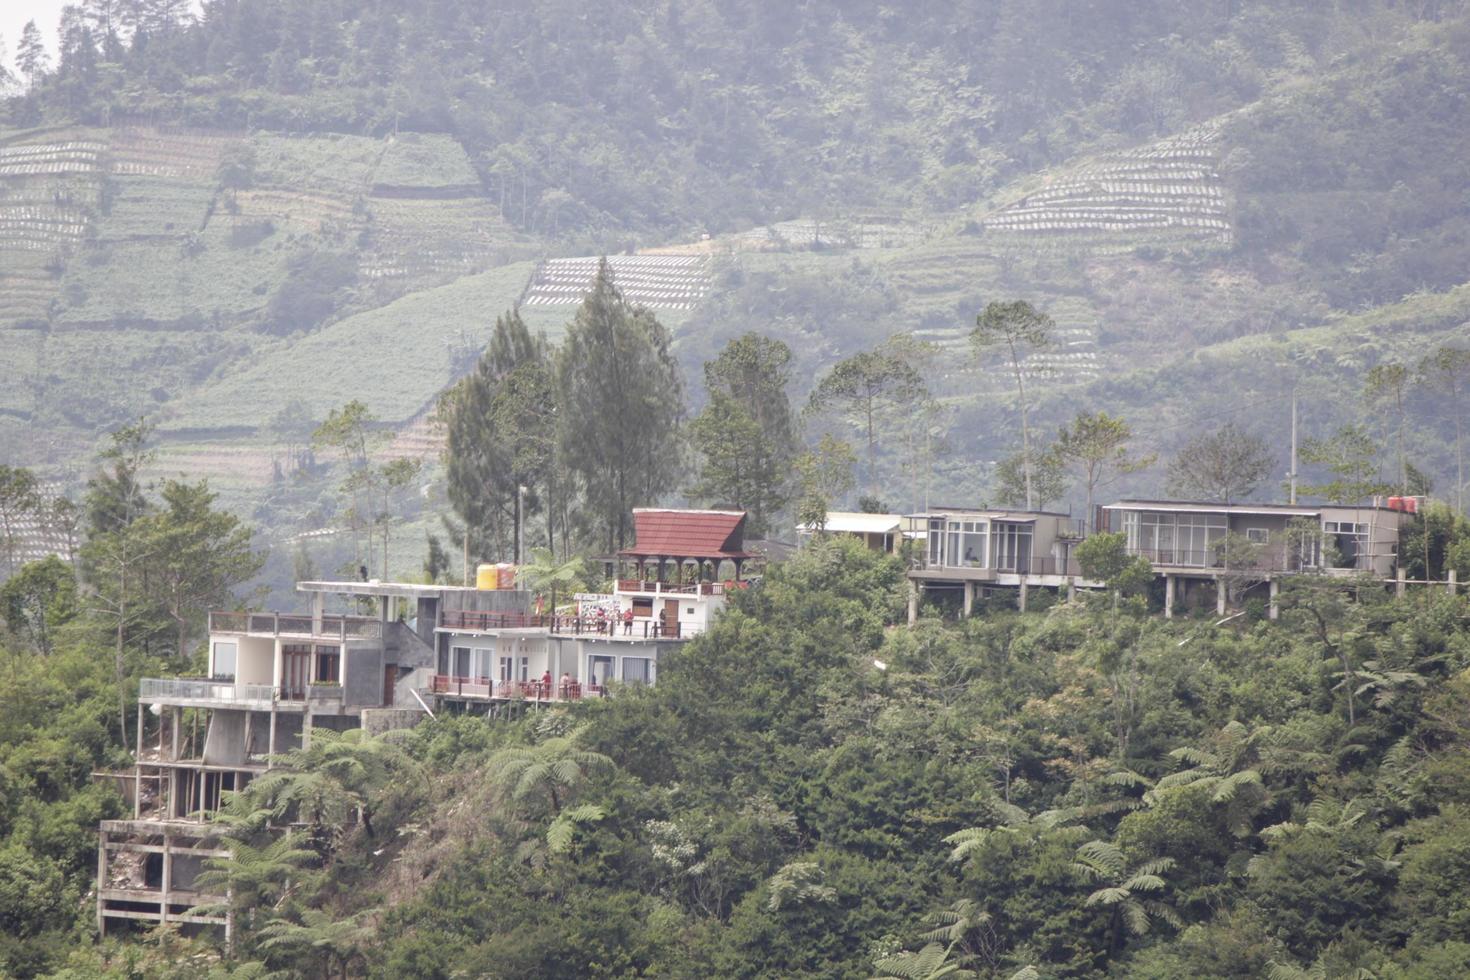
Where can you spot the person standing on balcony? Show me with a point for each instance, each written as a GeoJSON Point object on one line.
{"type": "Point", "coordinates": [663, 621]}
{"type": "Point", "coordinates": [565, 685]}
{"type": "Point", "coordinates": [628, 621]}
{"type": "Point", "coordinates": [544, 690]}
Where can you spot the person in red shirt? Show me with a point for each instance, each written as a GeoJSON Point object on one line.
{"type": "Point", "coordinates": [628, 621]}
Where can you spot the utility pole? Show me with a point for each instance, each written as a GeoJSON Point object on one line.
{"type": "Point", "coordinates": [1293, 446]}
{"type": "Point", "coordinates": [520, 523]}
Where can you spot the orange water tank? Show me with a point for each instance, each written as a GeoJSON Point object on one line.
{"type": "Point", "coordinates": [505, 574]}
{"type": "Point", "coordinates": [487, 577]}
{"type": "Point", "coordinates": [1396, 503]}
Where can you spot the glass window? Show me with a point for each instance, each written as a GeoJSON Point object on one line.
{"type": "Point", "coordinates": [328, 665]}
{"type": "Point", "coordinates": [525, 668]}
{"type": "Point", "coordinates": [601, 670]}
{"type": "Point", "coordinates": [461, 658]}
{"type": "Point", "coordinates": [637, 670]}
{"type": "Point", "coordinates": [224, 661]}
{"type": "Point", "coordinates": [1258, 535]}
{"type": "Point", "coordinates": [505, 669]}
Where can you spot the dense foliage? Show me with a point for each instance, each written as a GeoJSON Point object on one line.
{"type": "Point", "coordinates": [811, 791]}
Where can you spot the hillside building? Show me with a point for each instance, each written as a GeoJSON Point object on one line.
{"type": "Point", "coordinates": [273, 678]}
{"type": "Point", "coordinates": [977, 550]}
{"type": "Point", "coordinates": [1182, 540]}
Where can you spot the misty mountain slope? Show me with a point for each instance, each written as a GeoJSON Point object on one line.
{"type": "Point", "coordinates": [1244, 170]}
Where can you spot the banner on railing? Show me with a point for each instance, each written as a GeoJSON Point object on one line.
{"type": "Point", "coordinates": [591, 605]}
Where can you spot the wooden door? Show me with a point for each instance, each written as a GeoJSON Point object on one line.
{"type": "Point", "coordinates": [390, 679]}
{"type": "Point", "coordinates": [671, 618]}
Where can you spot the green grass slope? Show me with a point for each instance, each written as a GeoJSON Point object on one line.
{"type": "Point", "coordinates": [395, 358]}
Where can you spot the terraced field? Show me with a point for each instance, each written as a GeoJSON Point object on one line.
{"type": "Point", "coordinates": [396, 358]}
{"type": "Point", "coordinates": [1164, 193]}
{"type": "Point", "coordinates": [659, 282]}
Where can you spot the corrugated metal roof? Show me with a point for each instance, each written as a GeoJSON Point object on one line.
{"type": "Point", "coordinates": [687, 534]}
{"type": "Point", "coordinates": [852, 522]}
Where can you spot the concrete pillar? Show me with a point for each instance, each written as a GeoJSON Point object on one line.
{"type": "Point", "coordinates": [1275, 609]}
{"type": "Point", "coordinates": [1022, 602]}
{"type": "Point", "coordinates": [138, 769]}
{"type": "Point", "coordinates": [1452, 585]}
{"type": "Point", "coordinates": [101, 880]}
{"type": "Point", "coordinates": [1071, 588]}
{"type": "Point", "coordinates": [1399, 587]}
{"type": "Point", "coordinates": [969, 598]}
{"type": "Point", "coordinates": [318, 610]}
{"type": "Point", "coordinates": [1168, 597]}
{"type": "Point", "coordinates": [177, 721]}
{"type": "Point", "coordinates": [271, 749]}
{"type": "Point", "coordinates": [1219, 597]}
{"type": "Point", "coordinates": [913, 602]}
{"type": "Point", "coordinates": [168, 873]}
{"type": "Point", "coordinates": [276, 667]}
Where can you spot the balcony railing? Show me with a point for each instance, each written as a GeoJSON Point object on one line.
{"type": "Point", "coordinates": [201, 689]}
{"type": "Point", "coordinates": [1269, 560]}
{"type": "Point", "coordinates": [1031, 566]}
{"type": "Point", "coordinates": [644, 628]}
{"type": "Point", "coordinates": [485, 687]}
{"type": "Point", "coordinates": [674, 588]}
{"type": "Point", "coordinates": [341, 628]}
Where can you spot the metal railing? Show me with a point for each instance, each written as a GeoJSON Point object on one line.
{"type": "Point", "coordinates": [201, 689]}
{"type": "Point", "coordinates": [484, 687]}
{"type": "Point", "coordinates": [1268, 560]}
{"type": "Point", "coordinates": [674, 588]}
{"type": "Point", "coordinates": [341, 628]}
{"type": "Point", "coordinates": [641, 627]}
{"type": "Point", "coordinates": [1030, 566]}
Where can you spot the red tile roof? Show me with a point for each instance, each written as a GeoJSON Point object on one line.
{"type": "Point", "coordinates": [687, 534]}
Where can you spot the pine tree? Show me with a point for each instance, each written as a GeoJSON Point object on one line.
{"type": "Point", "coordinates": [30, 55]}
{"type": "Point", "coordinates": [623, 401]}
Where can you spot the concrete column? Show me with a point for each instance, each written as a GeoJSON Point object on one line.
{"type": "Point", "coordinates": [969, 598]}
{"type": "Point", "coordinates": [101, 880]}
{"type": "Point", "coordinates": [138, 769]}
{"type": "Point", "coordinates": [168, 873]}
{"type": "Point", "coordinates": [318, 610]}
{"type": "Point", "coordinates": [913, 602]}
{"type": "Point", "coordinates": [1452, 585]}
{"type": "Point", "coordinates": [1219, 597]}
{"type": "Point", "coordinates": [1275, 609]}
{"type": "Point", "coordinates": [1168, 597]}
{"type": "Point", "coordinates": [1399, 586]}
{"type": "Point", "coordinates": [178, 720]}
{"type": "Point", "coordinates": [1022, 602]}
{"type": "Point", "coordinates": [1071, 588]}
{"type": "Point", "coordinates": [271, 749]}
{"type": "Point", "coordinates": [276, 666]}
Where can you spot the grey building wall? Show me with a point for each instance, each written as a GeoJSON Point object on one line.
{"type": "Point", "coordinates": [362, 675]}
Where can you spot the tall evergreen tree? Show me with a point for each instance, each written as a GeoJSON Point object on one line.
{"type": "Point", "coordinates": [1018, 327]}
{"type": "Point", "coordinates": [30, 54]}
{"type": "Point", "coordinates": [623, 402]}
{"type": "Point", "coordinates": [500, 428]}
{"type": "Point", "coordinates": [746, 436]}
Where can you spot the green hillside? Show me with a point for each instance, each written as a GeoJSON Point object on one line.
{"type": "Point", "coordinates": [1239, 174]}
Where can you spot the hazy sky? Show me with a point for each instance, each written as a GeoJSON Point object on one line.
{"type": "Point", "coordinates": [15, 13]}
{"type": "Point", "coordinates": [46, 14]}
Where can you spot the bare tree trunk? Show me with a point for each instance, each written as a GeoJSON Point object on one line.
{"type": "Point", "coordinates": [1025, 428]}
